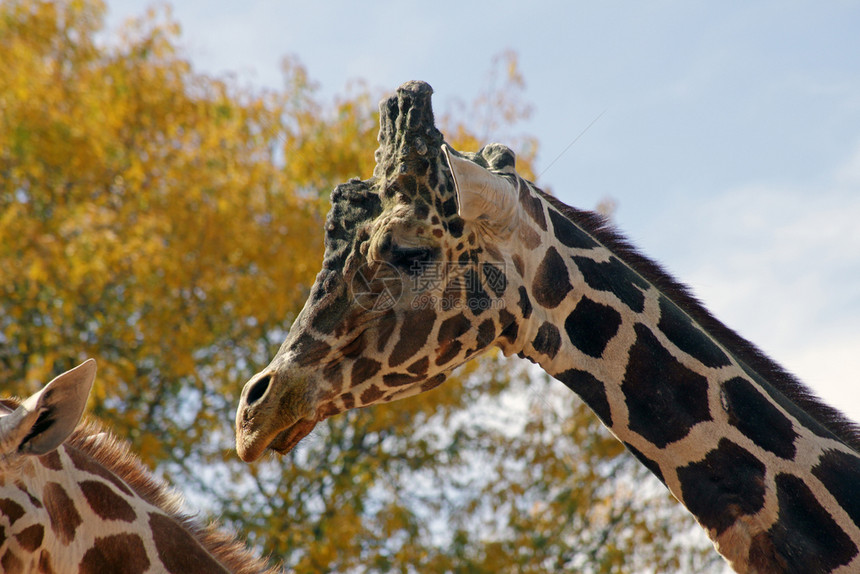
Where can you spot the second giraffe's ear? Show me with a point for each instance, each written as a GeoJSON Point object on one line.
{"type": "Point", "coordinates": [47, 418]}
{"type": "Point", "coordinates": [481, 194]}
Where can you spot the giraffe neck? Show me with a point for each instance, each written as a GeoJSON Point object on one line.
{"type": "Point", "coordinates": [769, 472]}
{"type": "Point", "coordinates": [91, 506]}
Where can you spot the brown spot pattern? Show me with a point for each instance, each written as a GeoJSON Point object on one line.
{"type": "Point", "coordinates": [433, 382]}
{"type": "Point", "coordinates": [448, 351]}
{"type": "Point", "coordinates": [117, 553]}
{"type": "Point", "coordinates": [518, 264]}
{"type": "Point", "coordinates": [665, 399]}
{"type": "Point", "coordinates": [529, 237]}
{"type": "Point", "coordinates": [45, 563]}
{"type": "Point", "coordinates": [551, 283]}
{"type": "Point", "coordinates": [62, 512]}
{"type": "Point", "coordinates": [384, 331]}
{"type": "Point", "coordinates": [11, 563]}
{"type": "Point", "coordinates": [11, 509]}
{"type": "Point", "coordinates": [51, 460]}
{"type": "Point", "coordinates": [532, 205]}
{"type": "Point", "coordinates": [413, 334]}
{"type": "Point", "coordinates": [86, 464]}
{"type": "Point", "coordinates": [329, 410]}
{"type": "Point", "coordinates": [348, 401]}
{"type": "Point", "coordinates": [763, 556]}
{"type": "Point", "coordinates": [450, 331]}
{"type": "Point", "coordinates": [31, 537]}
{"type": "Point", "coordinates": [453, 328]}
{"type": "Point", "coordinates": [370, 395]}
{"type": "Point", "coordinates": [727, 484]}
{"type": "Point", "coordinates": [363, 369]}
{"type": "Point", "coordinates": [399, 379]}
{"type": "Point", "coordinates": [805, 535]}
{"type": "Point", "coordinates": [510, 328]}
{"type": "Point", "coordinates": [178, 550]}
{"type": "Point", "coordinates": [333, 374]}
{"type": "Point", "coordinates": [105, 502]}
{"type": "Point", "coordinates": [419, 367]}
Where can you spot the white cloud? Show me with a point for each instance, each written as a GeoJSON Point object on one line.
{"type": "Point", "coordinates": [781, 265]}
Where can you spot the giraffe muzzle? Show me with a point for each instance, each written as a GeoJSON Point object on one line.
{"type": "Point", "coordinates": [274, 413]}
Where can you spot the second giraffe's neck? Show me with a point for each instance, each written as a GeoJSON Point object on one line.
{"type": "Point", "coordinates": [767, 470]}
{"type": "Point", "coordinates": [97, 506]}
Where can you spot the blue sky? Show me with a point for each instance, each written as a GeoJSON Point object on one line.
{"type": "Point", "coordinates": [730, 134]}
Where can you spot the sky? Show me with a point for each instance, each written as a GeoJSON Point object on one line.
{"type": "Point", "coordinates": [727, 133]}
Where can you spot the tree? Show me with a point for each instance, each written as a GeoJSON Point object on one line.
{"type": "Point", "coordinates": [139, 202]}
{"type": "Point", "coordinates": [169, 224]}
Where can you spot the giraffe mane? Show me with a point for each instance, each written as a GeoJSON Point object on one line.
{"type": "Point", "coordinates": [94, 440]}
{"type": "Point", "coordinates": [783, 382]}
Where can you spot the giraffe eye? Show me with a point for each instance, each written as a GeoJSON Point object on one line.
{"type": "Point", "coordinates": [412, 259]}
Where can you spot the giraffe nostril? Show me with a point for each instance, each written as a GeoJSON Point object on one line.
{"type": "Point", "coordinates": [258, 389]}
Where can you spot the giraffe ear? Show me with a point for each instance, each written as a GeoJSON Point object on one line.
{"type": "Point", "coordinates": [481, 194]}
{"type": "Point", "coordinates": [47, 418]}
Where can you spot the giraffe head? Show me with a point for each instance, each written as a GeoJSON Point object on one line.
{"type": "Point", "coordinates": [74, 498]}
{"type": "Point", "coordinates": [416, 280]}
